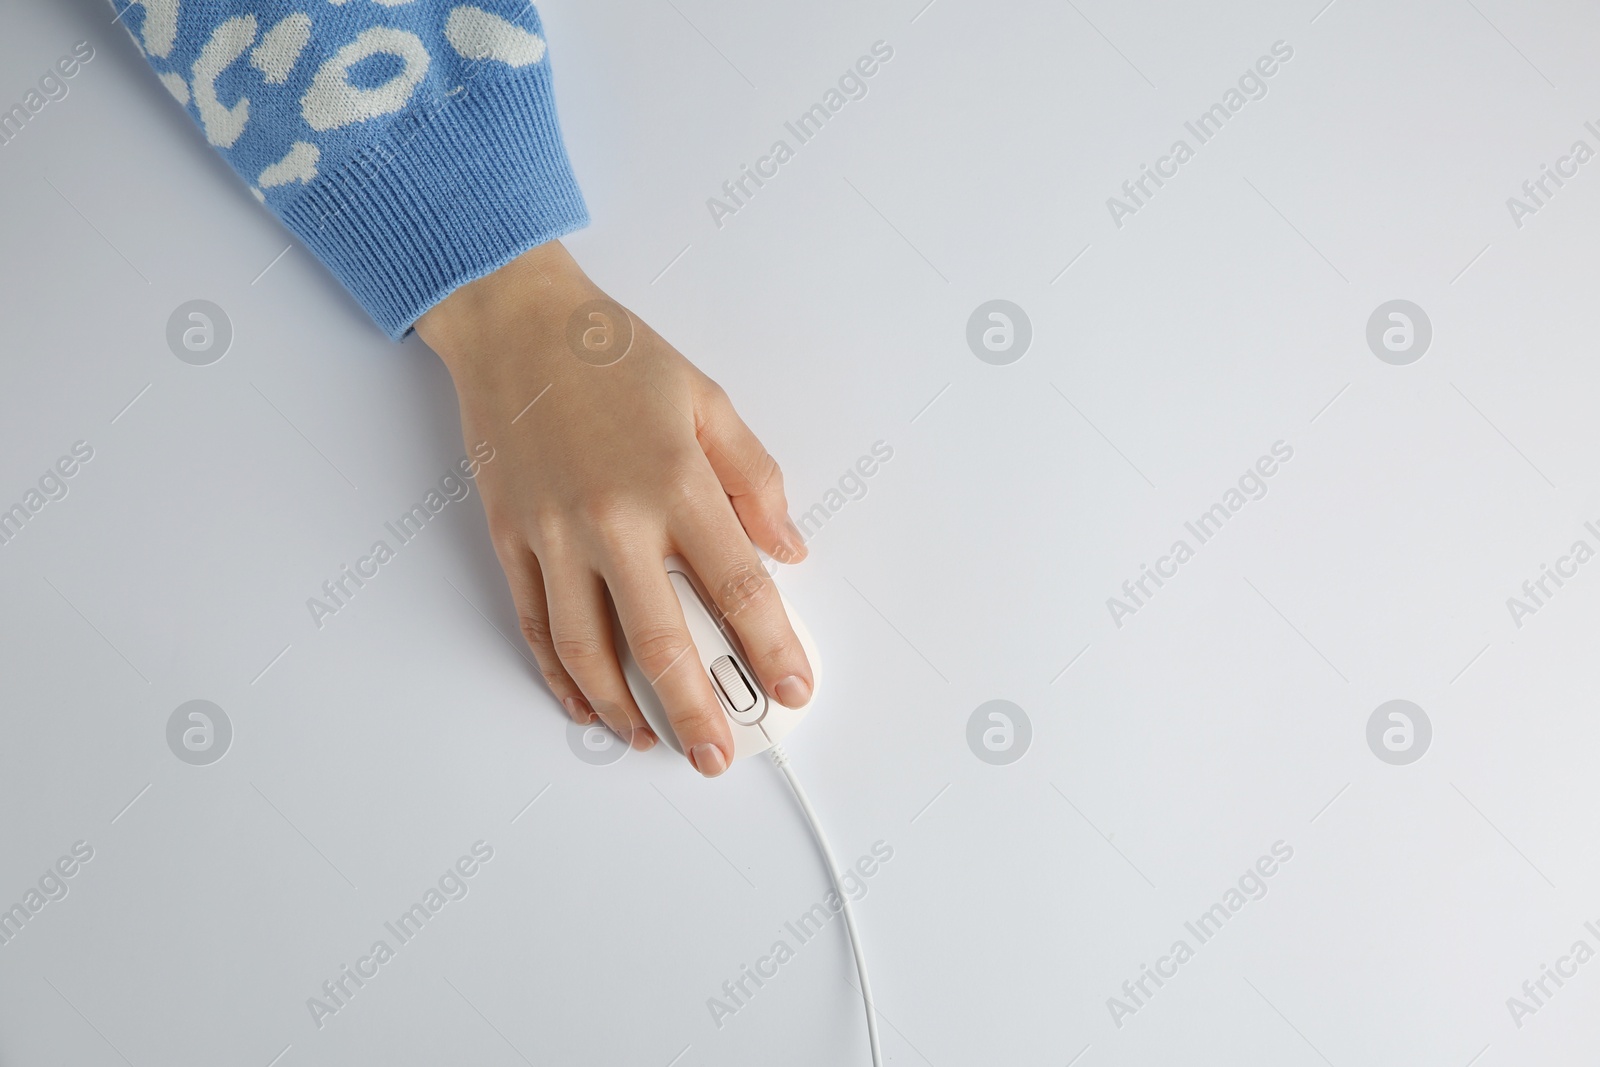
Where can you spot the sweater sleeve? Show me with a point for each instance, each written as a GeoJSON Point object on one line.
{"type": "Point", "coordinates": [412, 145]}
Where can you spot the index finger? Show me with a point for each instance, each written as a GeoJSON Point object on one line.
{"type": "Point", "coordinates": [746, 597]}
{"type": "Point", "coordinates": [652, 621]}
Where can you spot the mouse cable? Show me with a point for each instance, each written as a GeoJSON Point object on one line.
{"type": "Point", "coordinates": [781, 759]}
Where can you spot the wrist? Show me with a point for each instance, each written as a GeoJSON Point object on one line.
{"type": "Point", "coordinates": [532, 295]}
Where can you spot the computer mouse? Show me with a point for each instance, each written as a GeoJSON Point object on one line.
{"type": "Point", "coordinates": [756, 721]}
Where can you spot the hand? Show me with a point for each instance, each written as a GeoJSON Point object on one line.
{"type": "Point", "coordinates": [606, 463]}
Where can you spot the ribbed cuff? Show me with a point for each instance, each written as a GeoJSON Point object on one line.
{"type": "Point", "coordinates": [444, 197]}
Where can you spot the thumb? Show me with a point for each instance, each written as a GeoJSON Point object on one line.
{"type": "Point", "coordinates": [749, 475]}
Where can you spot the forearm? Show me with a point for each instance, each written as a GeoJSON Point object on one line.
{"type": "Point", "coordinates": [411, 148]}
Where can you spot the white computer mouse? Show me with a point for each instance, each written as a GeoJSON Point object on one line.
{"type": "Point", "coordinates": [756, 721]}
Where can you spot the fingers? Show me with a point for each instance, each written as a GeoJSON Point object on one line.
{"type": "Point", "coordinates": [749, 475]}
{"type": "Point", "coordinates": [580, 635]}
{"type": "Point", "coordinates": [527, 591]}
{"type": "Point", "coordinates": [744, 595]}
{"type": "Point", "coordinates": [653, 623]}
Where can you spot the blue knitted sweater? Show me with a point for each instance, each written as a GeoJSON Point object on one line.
{"type": "Point", "coordinates": [412, 145]}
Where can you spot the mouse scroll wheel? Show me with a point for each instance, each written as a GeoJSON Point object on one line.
{"type": "Point", "coordinates": [732, 683]}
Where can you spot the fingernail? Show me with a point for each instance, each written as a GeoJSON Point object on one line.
{"type": "Point", "coordinates": [623, 730]}
{"type": "Point", "coordinates": [793, 691]}
{"type": "Point", "coordinates": [797, 543]}
{"type": "Point", "coordinates": [578, 708]}
{"type": "Point", "coordinates": [707, 759]}
{"type": "Point", "coordinates": [643, 739]}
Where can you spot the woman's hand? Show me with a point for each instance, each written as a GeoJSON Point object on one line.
{"type": "Point", "coordinates": [612, 451]}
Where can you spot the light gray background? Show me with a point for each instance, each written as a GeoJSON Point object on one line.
{"type": "Point", "coordinates": [1229, 714]}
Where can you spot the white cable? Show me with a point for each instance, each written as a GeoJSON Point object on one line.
{"type": "Point", "coordinates": [781, 759]}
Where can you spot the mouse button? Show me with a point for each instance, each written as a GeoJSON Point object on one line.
{"type": "Point", "coordinates": [732, 684]}
{"type": "Point", "coordinates": [744, 703]}
{"type": "Point", "coordinates": [748, 740]}
{"type": "Point", "coordinates": [780, 721]}
{"type": "Point", "coordinates": [683, 585]}
{"type": "Point", "coordinates": [709, 640]}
